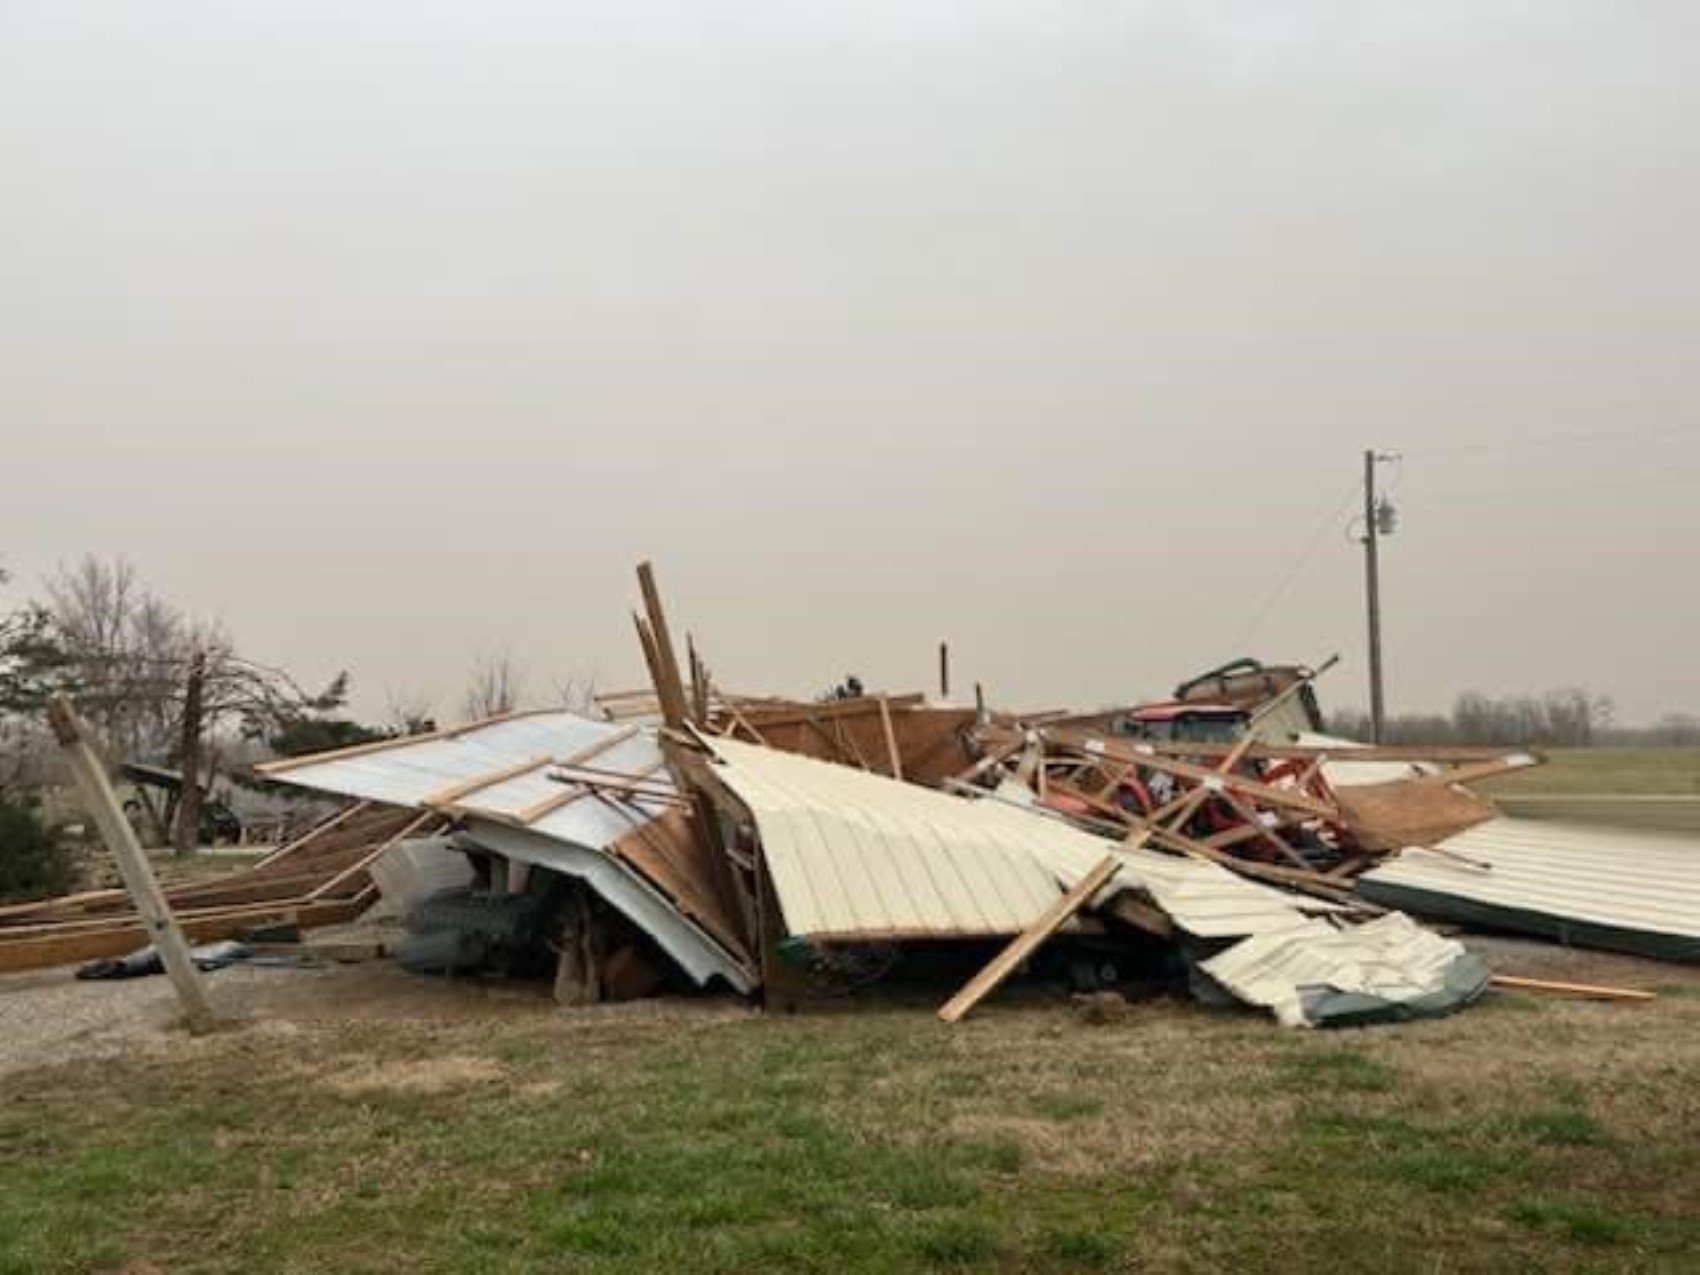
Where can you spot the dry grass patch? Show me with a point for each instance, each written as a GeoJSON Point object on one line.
{"type": "Point", "coordinates": [694, 1135]}
{"type": "Point", "coordinates": [424, 1075]}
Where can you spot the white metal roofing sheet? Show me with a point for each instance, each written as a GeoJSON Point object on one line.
{"type": "Point", "coordinates": [408, 773]}
{"type": "Point", "coordinates": [1608, 876]}
{"type": "Point", "coordinates": [856, 854]}
{"type": "Point", "coordinates": [571, 838]}
{"type": "Point", "coordinates": [1390, 958]}
{"type": "Point", "coordinates": [681, 938]}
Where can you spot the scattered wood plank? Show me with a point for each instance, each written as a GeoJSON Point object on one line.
{"type": "Point", "coordinates": [1029, 940]}
{"type": "Point", "coordinates": [743, 723]}
{"type": "Point", "coordinates": [1214, 778]}
{"type": "Point", "coordinates": [554, 801]}
{"type": "Point", "coordinates": [418, 826]}
{"type": "Point", "coordinates": [668, 686]}
{"type": "Point", "coordinates": [1586, 991]}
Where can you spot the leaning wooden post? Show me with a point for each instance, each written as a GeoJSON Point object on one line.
{"type": "Point", "coordinates": [139, 880]}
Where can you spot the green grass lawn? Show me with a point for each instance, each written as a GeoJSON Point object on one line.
{"type": "Point", "coordinates": [1525, 1134]}
{"type": "Point", "coordinates": [1627, 771]}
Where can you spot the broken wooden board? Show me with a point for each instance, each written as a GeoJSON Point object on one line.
{"type": "Point", "coordinates": [1582, 991]}
{"type": "Point", "coordinates": [1408, 812]}
{"type": "Point", "coordinates": [1029, 940]}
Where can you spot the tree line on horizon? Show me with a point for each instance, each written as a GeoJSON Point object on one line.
{"type": "Point", "coordinates": [1564, 717]}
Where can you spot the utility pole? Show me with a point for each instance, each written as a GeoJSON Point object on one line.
{"type": "Point", "coordinates": [1379, 520]}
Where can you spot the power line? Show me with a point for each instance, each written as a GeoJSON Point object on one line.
{"type": "Point", "coordinates": [1688, 478]}
{"type": "Point", "coordinates": [1305, 555]}
{"type": "Point", "coordinates": [1559, 439]}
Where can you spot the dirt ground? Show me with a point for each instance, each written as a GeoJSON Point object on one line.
{"type": "Point", "coordinates": [48, 1017]}
{"type": "Point", "coordinates": [361, 1118]}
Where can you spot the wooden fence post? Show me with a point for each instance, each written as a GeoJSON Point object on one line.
{"type": "Point", "coordinates": [139, 879]}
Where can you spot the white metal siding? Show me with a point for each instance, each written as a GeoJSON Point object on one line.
{"type": "Point", "coordinates": [858, 854]}
{"type": "Point", "coordinates": [1631, 879]}
{"type": "Point", "coordinates": [1390, 958]}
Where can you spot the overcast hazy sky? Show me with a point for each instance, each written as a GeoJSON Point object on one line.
{"type": "Point", "coordinates": [390, 333]}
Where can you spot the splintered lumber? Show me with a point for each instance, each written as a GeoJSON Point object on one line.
{"type": "Point", "coordinates": [554, 801]}
{"type": "Point", "coordinates": [1262, 751]}
{"type": "Point", "coordinates": [742, 723]}
{"type": "Point", "coordinates": [646, 640]}
{"type": "Point", "coordinates": [1268, 833]}
{"type": "Point", "coordinates": [699, 682]}
{"type": "Point", "coordinates": [1029, 940]}
{"type": "Point", "coordinates": [319, 829]}
{"type": "Point", "coordinates": [996, 757]}
{"type": "Point", "coordinates": [668, 686]}
{"type": "Point", "coordinates": [138, 875]}
{"type": "Point", "coordinates": [105, 923]}
{"type": "Point", "coordinates": [417, 826]}
{"type": "Point", "coordinates": [1306, 881]}
{"type": "Point", "coordinates": [121, 937]}
{"type": "Point", "coordinates": [1210, 779]}
{"type": "Point", "coordinates": [1586, 991]}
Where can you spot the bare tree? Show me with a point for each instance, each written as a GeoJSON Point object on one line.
{"type": "Point", "coordinates": [496, 685]}
{"type": "Point", "coordinates": [408, 711]}
{"type": "Point", "coordinates": [160, 686]}
{"type": "Point", "coordinates": [127, 649]}
{"type": "Point", "coordinates": [577, 694]}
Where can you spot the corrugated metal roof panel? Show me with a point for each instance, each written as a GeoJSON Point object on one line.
{"type": "Point", "coordinates": [1390, 960]}
{"type": "Point", "coordinates": [1618, 878]}
{"type": "Point", "coordinates": [574, 838]}
{"type": "Point", "coordinates": [856, 854]}
{"type": "Point", "coordinates": [410, 773]}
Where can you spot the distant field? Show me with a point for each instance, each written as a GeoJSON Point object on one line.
{"type": "Point", "coordinates": [1644, 771]}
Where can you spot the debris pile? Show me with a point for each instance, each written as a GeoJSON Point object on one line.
{"type": "Point", "coordinates": [320, 878]}
{"type": "Point", "coordinates": [794, 849]}
{"type": "Point", "coordinates": [692, 838]}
